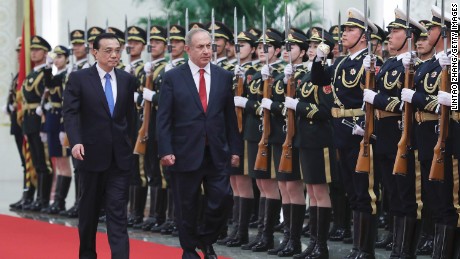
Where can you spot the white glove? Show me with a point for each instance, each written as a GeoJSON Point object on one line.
{"type": "Point", "coordinates": [407, 94]}
{"type": "Point", "coordinates": [239, 71]}
{"type": "Point", "coordinates": [240, 101]}
{"type": "Point", "coordinates": [168, 67]}
{"type": "Point", "coordinates": [11, 108]}
{"type": "Point", "coordinates": [39, 111]}
{"type": "Point", "coordinates": [291, 103]}
{"type": "Point", "coordinates": [148, 68]}
{"type": "Point", "coordinates": [369, 95]}
{"type": "Point", "coordinates": [444, 60]}
{"type": "Point", "coordinates": [406, 59]}
{"type": "Point", "coordinates": [43, 137]}
{"type": "Point", "coordinates": [128, 68]}
{"type": "Point", "coordinates": [266, 103]}
{"type": "Point", "coordinates": [288, 70]}
{"type": "Point", "coordinates": [5, 109]}
{"type": "Point", "coordinates": [265, 71]}
{"type": "Point", "coordinates": [49, 62]}
{"type": "Point", "coordinates": [322, 50]}
{"type": "Point", "coordinates": [367, 62]}
{"type": "Point", "coordinates": [47, 106]}
{"type": "Point", "coordinates": [444, 98]}
{"type": "Point", "coordinates": [148, 94]}
{"type": "Point", "coordinates": [62, 137]}
{"type": "Point", "coordinates": [357, 130]}
{"type": "Point", "coordinates": [136, 96]}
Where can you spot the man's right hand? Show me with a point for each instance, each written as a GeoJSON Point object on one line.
{"type": "Point", "coordinates": [78, 151]}
{"type": "Point", "coordinates": [168, 160]}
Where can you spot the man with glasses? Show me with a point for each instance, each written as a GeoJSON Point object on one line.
{"type": "Point", "coordinates": [98, 115]}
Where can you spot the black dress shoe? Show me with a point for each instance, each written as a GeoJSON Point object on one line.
{"type": "Point", "coordinates": [425, 246]}
{"type": "Point", "coordinates": [14, 206]}
{"type": "Point", "coordinates": [208, 252]}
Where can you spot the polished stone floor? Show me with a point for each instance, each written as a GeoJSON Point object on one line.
{"type": "Point", "coordinates": [10, 191]}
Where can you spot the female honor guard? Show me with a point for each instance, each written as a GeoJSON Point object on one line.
{"type": "Point", "coordinates": [317, 155]}
{"type": "Point", "coordinates": [265, 180]}
{"type": "Point", "coordinates": [386, 100]}
{"type": "Point", "coordinates": [346, 75]}
{"type": "Point", "coordinates": [54, 127]}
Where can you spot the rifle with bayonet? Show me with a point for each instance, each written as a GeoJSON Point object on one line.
{"type": "Point", "coordinates": [143, 134]}
{"type": "Point", "coordinates": [239, 79]}
{"type": "Point", "coordinates": [405, 143]}
{"type": "Point", "coordinates": [286, 154]}
{"type": "Point", "coordinates": [261, 163]}
{"type": "Point", "coordinates": [340, 36]}
{"type": "Point", "coordinates": [363, 165]}
{"type": "Point", "coordinates": [128, 49]}
{"type": "Point", "coordinates": [437, 165]}
{"type": "Point", "coordinates": [213, 37]}
{"type": "Point", "coordinates": [168, 40]}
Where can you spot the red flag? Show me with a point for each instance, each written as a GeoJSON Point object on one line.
{"type": "Point", "coordinates": [28, 30]}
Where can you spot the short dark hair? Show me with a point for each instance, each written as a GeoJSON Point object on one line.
{"type": "Point", "coordinates": [104, 36]}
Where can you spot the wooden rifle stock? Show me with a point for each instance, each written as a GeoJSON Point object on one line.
{"type": "Point", "coordinates": [261, 163]}
{"type": "Point", "coordinates": [404, 144]}
{"type": "Point", "coordinates": [286, 155]}
{"type": "Point", "coordinates": [363, 165]}
{"type": "Point", "coordinates": [143, 133]}
{"type": "Point", "coordinates": [437, 165]}
{"type": "Point", "coordinates": [239, 110]}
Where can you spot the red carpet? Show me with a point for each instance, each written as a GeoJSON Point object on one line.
{"type": "Point", "coordinates": [31, 239]}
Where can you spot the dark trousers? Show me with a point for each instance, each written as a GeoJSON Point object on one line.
{"type": "Point", "coordinates": [108, 190]}
{"type": "Point", "coordinates": [361, 195]}
{"type": "Point", "coordinates": [37, 152]}
{"type": "Point", "coordinates": [218, 202]}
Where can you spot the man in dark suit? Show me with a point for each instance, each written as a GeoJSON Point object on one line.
{"type": "Point", "coordinates": [98, 110]}
{"type": "Point", "coordinates": [198, 139]}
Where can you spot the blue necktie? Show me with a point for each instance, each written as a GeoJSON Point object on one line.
{"type": "Point", "coordinates": [109, 93]}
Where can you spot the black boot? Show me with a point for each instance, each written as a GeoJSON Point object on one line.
{"type": "Point", "coordinates": [131, 202]}
{"type": "Point", "coordinates": [286, 230]}
{"type": "Point", "coordinates": [443, 242]}
{"type": "Point", "coordinates": [235, 218]}
{"type": "Point", "coordinates": [367, 236]}
{"type": "Point", "coordinates": [242, 236]}
{"type": "Point", "coordinates": [260, 226]}
{"type": "Point", "coordinates": [354, 252]}
{"type": "Point", "coordinates": [169, 212]}
{"type": "Point", "coordinates": [340, 228]}
{"type": "Point", "coordinates": [294, 246]}
{"type": "Point", "coordinates": [457, 244]}
{"type": "Point", "coordinates": [313, 234]}
{"type": "Point", "coordinates": [139, 205]}
{"type": "Point", "coordinates": [347, 237]}
{"type": "Point", "coordinates": [388, 238]}
{"type": "Point", "coordinates": [426, 244]}
{"type": "Point", "coordinates": [73, 211]}
{"type": "Point", "coordinates": [321, 251]}
{"type": "Point", "coordinates": [410, 238]}
{"type": "Point", "coordinates": [18, 205]}
{"type": "Point", "coordinates": [28, 198]}
{"type": "Point", "coordinates": [62, 189]}
{"type": "Point", "coordinates": [151, 219]}
{"type": "Point", "coordinates": [272, 206]}
{"type": "Point", "coordinates": [47, 183]}
{"type": "Point", "coordinates": [398, 233]}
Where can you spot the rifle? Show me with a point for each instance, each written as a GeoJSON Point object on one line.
{"type": "Point", "coordinates": [143, 134]}
{"type": "Point", "coordinates": [437, 165]}
{"type": "Point", "coordinates": [213, 37]}
{"type": "Point", "coordinates": [128, 49]}
{"type": "Point", "coordinates": [340, 36]}
{"type": "Point", "coordinates": [363, 165]}
{"type": "Point", "coordinates": [261, 163]}
{"type": "Point", "coordinates": [286, 155]}
{"type": "Point", "coordinates": [168, 40]}
{"type": "Point", "coordinates": [239, 86]}
{"type": "Point", "coordinates": [404, 144]}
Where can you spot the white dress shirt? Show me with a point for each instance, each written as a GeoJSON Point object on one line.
{"type": "Point", "coordinates": [196, 77]}
{"type": "Point", "coordinates": [113, 81]}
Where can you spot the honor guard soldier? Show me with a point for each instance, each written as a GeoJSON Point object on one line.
{"type": "Point", "coordinates": [177, 41]}
{"type": "Point", "coordinates": [77, 39]}
{"type": "Point", "coordinates": [266, 180]}
{"type": "Point", "coordinates": [400, 190]}
{"type": "Point", "coordinates": [11, 109]}
{"type": "Point", "coordinates": [316, 152]}
{"type": "Point", "coordinates": [33, 89]}
{"type": "Point", "coordinates": [54, 127]}
{"type": "Point", "coordinates": [157, 182]}
{"type": "Point", "coordinates": [223, 36]}
{"type": "Point", "coordinates": [121, 38]}
{"type": "Point", "coordinates": [427, 81]}
{"type": "Point", "coordinates": [345, 78]}
{"type": "Point", "coordinates": [424, 50]}
{"type": "Point", "coordinates": [243, 196]}
{"type": "Point", "coordinates": [335, 32]}
{"type": "Point", "coordinates": [93, 32]}
{"type": "Point", "coordinates": [138, 187]}
{"type": "Point", "coordinates": [377, 42]}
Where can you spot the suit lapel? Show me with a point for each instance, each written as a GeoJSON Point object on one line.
{"type": "Point", "coordinates": [190, 85]}
{"type": "Point", "coordinates": [96, 82]}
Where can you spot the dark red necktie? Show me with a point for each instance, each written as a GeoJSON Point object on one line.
{"type": "Point", "coordinates": [202, 91]}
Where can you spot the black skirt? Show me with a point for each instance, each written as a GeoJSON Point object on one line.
{"type": "Point", "coordinates": [295, 174]}
{"type": "Point", "coordinates": [318, 165]}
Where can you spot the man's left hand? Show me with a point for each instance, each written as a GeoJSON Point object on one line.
{"type": "Point", "coordinates": [235, 161]}
{"type": "Point", "coordinates": [369, 96]}
{"type": "Point", "coordinates": [407, 94]}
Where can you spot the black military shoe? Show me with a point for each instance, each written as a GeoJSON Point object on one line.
{"type": "Point", "coordinates": [208, 252]}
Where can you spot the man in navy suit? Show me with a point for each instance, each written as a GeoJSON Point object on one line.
{"type": "Point", "coordinates": [98, 110]}
{"type": "Point", "coordinates": [198, 140]}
